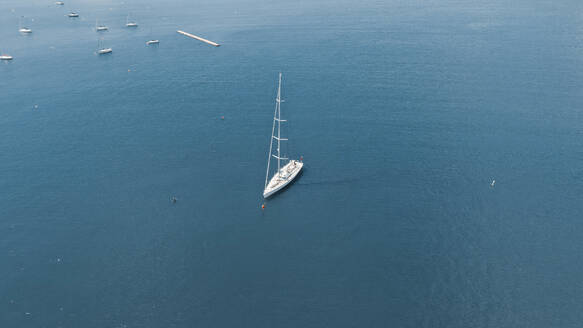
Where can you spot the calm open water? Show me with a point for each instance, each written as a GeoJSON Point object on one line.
{"type": "Point", "coordinates": [404, 112]}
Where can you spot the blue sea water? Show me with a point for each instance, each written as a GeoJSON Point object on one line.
{"type": "Point", "coordinates": [404, 113]}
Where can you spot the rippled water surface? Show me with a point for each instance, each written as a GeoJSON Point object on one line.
{"type": "Point", "coordinates": [404, 113]}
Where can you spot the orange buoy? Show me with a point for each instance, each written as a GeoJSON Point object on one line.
{"type": "Point", "coordinates": [262, 206]}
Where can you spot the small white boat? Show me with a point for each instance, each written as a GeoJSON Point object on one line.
{"type": "Point", "coordinates": [59, 3]}
{"type": "Point", "coordinates": [130, 23]}
{"type": "Point", "coordinates": [152, 41]}
{"type": "Point", "coordinates": [287, 173]}
{"type": "Point", "coordinates": [100, 28]}
{"type": "Point", "coordinates": [73, 14]}
{"type": "Point", "coordinates": [102, 50]}
{"type": "Point", "coordinates": [5, 57]}
{"type": "Point", "coordinates": [23, 29]}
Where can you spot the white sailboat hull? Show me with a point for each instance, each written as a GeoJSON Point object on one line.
{"type": "Point", "coordinates": [282, 178]}
{"type": "Point", "coordinates": [105, 51]}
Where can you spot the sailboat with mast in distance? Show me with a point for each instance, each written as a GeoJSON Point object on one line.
{"type": "Point", "coordinates": [100, 28]}
{"type": "Point", "coordinates": [23, 29]}
{"type": "Point", "coordinates": [130, 23]}
{"type": "Point", "coordinates": [101, 50]}
{"type": "Point", "coordinates": [152, 41]}
{"type": "Point", "coordinates": [286, 171]}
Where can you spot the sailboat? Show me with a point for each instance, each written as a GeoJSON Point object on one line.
{"type": "Point", "coordinates": [130, 24]}
{"type": "Point", "coordinates": [288, 172]}
{"type": "Point", "coordinates": [101, 50]}
{"type": "Point", "coordinates": [5, 57]}
{"type": "Point", "coordinates": [152, 41]}
{"type": "Point", "coordinates": [22, 29]}
{"type": "Point", "coordinates": [100, 28]}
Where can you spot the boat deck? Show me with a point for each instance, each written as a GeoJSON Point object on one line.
{"type": "Point", "coordinates": [282, 178]}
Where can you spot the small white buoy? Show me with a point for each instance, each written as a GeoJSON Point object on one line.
{"type": "Point", "coordinates": [493, 182]}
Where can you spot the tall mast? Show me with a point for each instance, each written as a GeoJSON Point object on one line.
{"type": "Point", "coordinates": [276, 117]}
{"type": "Point", "coordinates": [271, 144]}
{"type": "Point", "coordinates": [278, 123]}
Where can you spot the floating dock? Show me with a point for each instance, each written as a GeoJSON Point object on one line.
{"type": "Point", "coordinates": [199, 38]}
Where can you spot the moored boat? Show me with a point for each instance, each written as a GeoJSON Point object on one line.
{"type": "Point", "coordinates": [287, 172]}
{"type": "Point", "coordinates": [130, 23]}
{"type": "Point", "coordinates": [101, 50]}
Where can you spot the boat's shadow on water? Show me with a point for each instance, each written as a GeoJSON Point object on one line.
{"type": "Point", "coordinates": [105, 57]}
